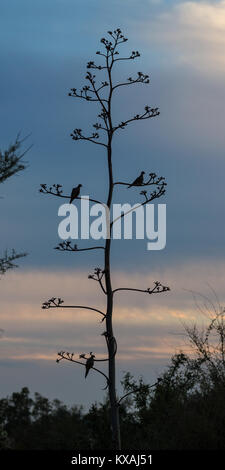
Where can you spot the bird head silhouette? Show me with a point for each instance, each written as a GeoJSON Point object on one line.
{"type": "Point", "coordinates": [143, 172]}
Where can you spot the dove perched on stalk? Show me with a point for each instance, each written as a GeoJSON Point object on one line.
{"type": "Point", "coordinates": [139, 180]}
{"type": "Point", "coordinates": [75, 193]}
{"type": "Point", "coordinates": [89, 363]}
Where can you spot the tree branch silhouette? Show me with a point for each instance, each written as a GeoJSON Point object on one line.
{"type": "Point", "coordinates": [58, 192]}
{"type": "Point", "coordinates": [98, 276]}
{"type": "Point", "coordinates": [69, 357]}
{"type": "Point", "coordinates": [55, 302]}
{"type": "Point", "coordinates": [11, 160]}
{"type": "Point", "coordinates": [157, 289]}
{"type": "Point", "coordinates": [12, 163]}
{"type": "Point", "coordinates": [153, 180]}
{"type": "Point", "coordinates": [66, 246]}
{"type": "Point", "coordinates": [160, 191]}
{"type": "Point", "coordinates": [8, 260]}
{"type": "Point", "coordinates": [136, 390]}
{"type": "Point", "coordinates": [77, 135]}
{"type": "Point", "coordinates": [148, 114]}
{"type": "Point", "coordinates": [102, 93]}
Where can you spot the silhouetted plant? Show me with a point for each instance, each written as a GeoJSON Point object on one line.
{"type": "Point", "coordinates": [11, 163]}
{"type": "Point", "coordinates": [11, 160]}
{"type": "Point", "coordinates": [8, 260]}
{"type": "Point", "coordinates": [104, 130]}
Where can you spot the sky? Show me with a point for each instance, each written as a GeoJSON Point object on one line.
{"type": "Point", "coordinates": [45, 46]}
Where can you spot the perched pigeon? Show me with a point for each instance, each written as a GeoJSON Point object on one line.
{"type": "Point", "coordinates": [139, 180]}
{"type": "Point", "coordinates": [75, 193]}
{"type": "Point", "coordinates": [89, 363]}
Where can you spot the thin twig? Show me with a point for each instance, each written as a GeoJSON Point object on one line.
{"type": "Point", "coordinates": [52, 305]}
{"type": "Point", "coordinates": [150, 199]}
{"type": "Point", "coordinates": [134, 391]}
{"type": "Point", "coordinates": [67, 358]}
{"type": "Point", "coordinates": [158, 288]}
{"type": "Point", "coordinates": [46, 191]}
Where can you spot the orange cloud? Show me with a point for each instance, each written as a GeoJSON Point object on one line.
{"type": "Point", "coordinates": [146, 326]}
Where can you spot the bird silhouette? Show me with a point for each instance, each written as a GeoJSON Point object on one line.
{"type": "Point", "coordinates": [75, 193]}
{"type": "Point", "coordinates": [139, 180]}
{"type": "Point", "coordinates": [89, 363]}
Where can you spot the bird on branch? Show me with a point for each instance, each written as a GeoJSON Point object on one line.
{"type": "Point", "coordinates": [89, 363]}
{"type": "Point", "coordinates": [75, 193]}
{"type": "Point", "coordinates": [139, 180]}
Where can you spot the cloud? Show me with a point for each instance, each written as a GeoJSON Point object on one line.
{"type": "Point", "coordinates": [143, 322]}
{"type": "Point", "coordinates": [148, 328]}
{"type": "Point", "coordinates": [192, 33]}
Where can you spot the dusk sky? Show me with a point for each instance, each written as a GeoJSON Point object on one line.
{"type": "Point", "coordinates": [45, 46]}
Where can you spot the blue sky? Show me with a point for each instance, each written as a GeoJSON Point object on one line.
{"type": "Point", "coordinates": [45, 48]}
{"type": "Point", "coordinates": [45, 53]}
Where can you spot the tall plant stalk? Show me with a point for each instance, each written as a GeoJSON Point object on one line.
{"type": "Point", "coordinates": [103, 94]}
